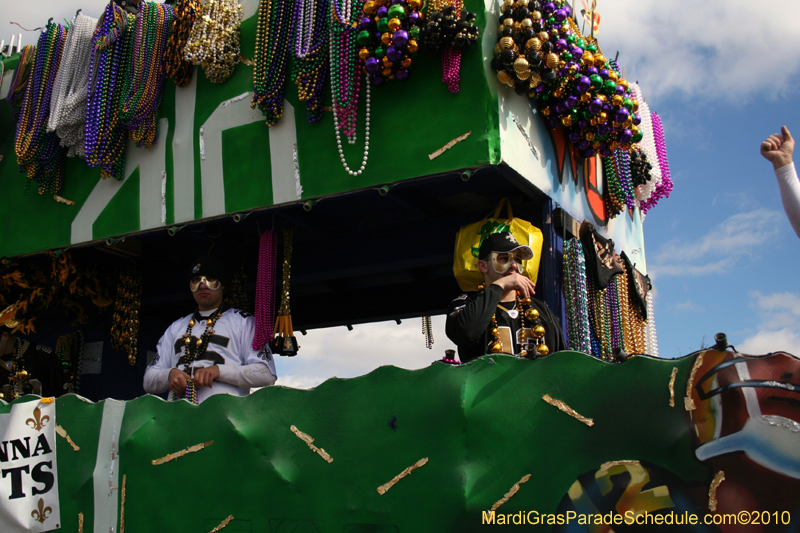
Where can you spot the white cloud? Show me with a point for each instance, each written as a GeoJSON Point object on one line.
{"type": "Point", "coordinates": [330, 352]}
{"type": "Point", "coordinates": [715, 48]}
{"type": "Point", "coordinates": [767, 341]}
{"type": "Point", "coordinates": [779, 314]}
{"type": "Point", "coordinates": [718, 250]}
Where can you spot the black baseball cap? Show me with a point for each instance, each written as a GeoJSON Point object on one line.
{"type": "Point", "coordinates": [211, 267]}
{"type": "Point", "coordinates": [502, 242]}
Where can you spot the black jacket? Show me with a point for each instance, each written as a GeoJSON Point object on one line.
{"type": "Point", "coordinates": [469, 319]}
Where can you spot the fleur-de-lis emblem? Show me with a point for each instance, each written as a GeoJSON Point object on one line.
{"type": "Point", "coordinates": [39, 422]}
{"type": "Point", "coordinates": [43, 513]}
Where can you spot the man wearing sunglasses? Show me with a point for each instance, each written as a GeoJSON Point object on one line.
{"type": "Point", "coordinates": [503, 316]}
{"type": "Point", "coordinates": [210, 351]}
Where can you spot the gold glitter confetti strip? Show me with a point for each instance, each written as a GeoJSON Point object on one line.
{"type": "Point", "coordinates": [449, 145]}
{"type": "Point", "coordinates": [386, 486]}
{"type": "Point", "coordinates": [611, 464]}
{"type": "Point", "coordinates": [308, 439]}
{"type": "Point", "coordinates": [688, 402]}
{"type": "Point", "coordinates": [122, 507]}
{"type": "Point", "coordinates": [80, 522]}
{"type": "Point", "coordinates": [62, 433]}
{"type": "Point", "coordinates": [222, 524]}
{"type": "Point", "coordinates": [567, 409]}
{"type": "Point", "coordinates": [511, 492]}
{"type": "Point", "coordinates": [672, 386]}
{"type": "Point", "coordinates": [712, 491]}
{"type": "Point", "coordinates": [248, 62]}
{"type": "Point", "coordinates": [171, 456]}
{"type": "Point", "coordinates": [61, 200]}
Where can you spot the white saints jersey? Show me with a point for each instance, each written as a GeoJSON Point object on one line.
{"type": "Point", "coordinates": [230, 347]}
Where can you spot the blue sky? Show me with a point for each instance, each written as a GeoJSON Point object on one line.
{"type": "Point", "coordinates": [722, 75]}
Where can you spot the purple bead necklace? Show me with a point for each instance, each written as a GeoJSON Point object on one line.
{"type": "Point", "coordinates": [105, 135]}
{"type": "Point", "coordinates": [39, 153]}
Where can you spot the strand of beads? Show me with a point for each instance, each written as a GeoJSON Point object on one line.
{"type": "Point", "coordinates": [614, 196]}
{"type": "Point", "coordinates": [68, 101]}
{"type": "Point", "coordinates": [38, 152]}
{"type": "Point", "coordinates": [284, 342]}
{"type": "Point", "coordinates": [125, 323]}
{"type": "Point", "coordinates": [143, 84]}
{"type": "Point", "coordinates": [530, 322]}
{"type": "Point", "coordinates": [648, 147]}
{"type": "Point", "coordinates": [632, 317]}
{"type": "Point", "coordinates": [623, 160]}
{"type": "Point", "coordinates": [664, 187]}
{"type": "Point", "coordinates": [69, 349]}
{"type": "Point", "coordinates": [214, 41]}
{"type": "Point", "coordinates": [198, 348]}
{"type": "Point", "coordinates": [175, 66]}
{"type": "Point", "coordinates": [191, 392]}
{"type": "Point", "coordinates": [366, 137]}
{"type": "Point", "coordinates": [104, 143]}
{"type": "Point", "coordinates": [602, 325]}
{"type": "Point", "coordinates": [576, 297]}
{"type": "Point", "coordinates": [450, 30]}
{"type": "Point", "coordinates": [272, 58]}
{"type": "Point", "coordinates": [594, 332]}
{"type": "Point", "coordinates": [16, 89]}
{"type": "Point", "coordinates": [651, 339]}
{"type": "Point", "coordinates": [613, 314]}
{"type": "Point", "coordinates": [427, 330]}
{"type": "Point", "coordinates": [194, 350]}
{"type": "Point", "coordinates": [265, 289]}
{"type": "Point", "coordinates": [345, 80]}
{"type": "Point", "coordinates": [345, 83]}
{"type": "Point", "coordinates": [311, 68]}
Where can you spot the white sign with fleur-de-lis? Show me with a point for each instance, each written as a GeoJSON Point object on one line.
{"type": "Point", "coordinates": [28, 472]}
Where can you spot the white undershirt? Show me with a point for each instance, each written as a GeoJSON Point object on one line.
{"type": "Point", "coordinates": [790, 194]}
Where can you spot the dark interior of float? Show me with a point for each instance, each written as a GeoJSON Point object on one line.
{"type": "Point", "coordinates": [370, 255]}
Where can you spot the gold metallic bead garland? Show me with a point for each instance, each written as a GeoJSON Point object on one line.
{"type": "Point", "coordinates": [125, 326]}
{"type": "Point", "coordinates": [176, 67]}
{"type": "Point", "coordinates": [633, 324]}
{"type": "Point", "coordinates": [630, 324]}
{"type": "Point", "coordinates": [529, 316]}
{"type": "Point", "coordinates": [285, 343]}
{"type": "Point", "coordinates": [214, 41]}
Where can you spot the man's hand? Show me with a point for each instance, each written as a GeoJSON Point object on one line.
{"type": "Point", "coordinates": [778, 148]}
{"type": "Point", "coordinates": [177, 381]}
{"type": "Point", "coordinates": [204, 377]}
{"type": "Point", "coordinates": [516, 281]}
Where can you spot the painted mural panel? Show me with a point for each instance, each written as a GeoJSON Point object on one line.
{"type": "Point", "coordinates": [562, 443]}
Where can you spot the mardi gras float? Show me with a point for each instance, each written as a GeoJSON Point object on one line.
{"type": "Point", "coordinates": [333, 150]}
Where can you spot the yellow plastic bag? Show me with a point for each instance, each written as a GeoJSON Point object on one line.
{"type": "Point", "coordinates": [470, 237]}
